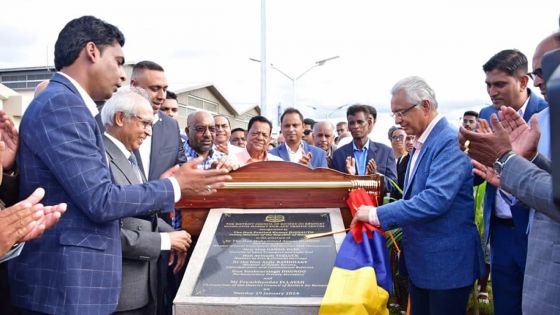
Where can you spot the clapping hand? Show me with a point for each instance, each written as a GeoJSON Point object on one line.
{"type": "Point", "coordinates": [306, 159]}
{"type": "Point", "coordinates": [371, 167]}
{"type": "Point", "coordinates": [350, 165]}
{"type": "Point", "coordinates": [9, 135]}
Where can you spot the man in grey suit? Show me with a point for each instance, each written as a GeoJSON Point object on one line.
{"type": "Point", "coordinates": [526, 175]}
{"type": "Point", "coordinates": [127, 118]}
{"type": "Point", "coordinates": [162, 150]}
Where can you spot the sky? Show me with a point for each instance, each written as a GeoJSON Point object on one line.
{"type": "Point", "coordinates": [379, 42]}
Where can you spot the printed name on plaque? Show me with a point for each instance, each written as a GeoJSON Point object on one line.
{"type": "Point", "coordinates": [265, 255]}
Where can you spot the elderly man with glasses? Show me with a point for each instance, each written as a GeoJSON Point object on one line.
{"type": "Point", "coordinates": [442, 252]}
{"type": "Point", "coordinates": [201, 131]}
{"type": "Point", "coordinates": [128, 119]}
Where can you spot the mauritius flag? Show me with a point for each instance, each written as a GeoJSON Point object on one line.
{"type": "Point", "coordinates": [360, 281]}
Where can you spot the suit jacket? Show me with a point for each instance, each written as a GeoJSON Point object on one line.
{"type": "Point", "coordinates": [140, 241]}
{"type": "Point", "coordinates": [382, 154]}
{"type": "Point", "coordinates": [532, 184]}
{"type": "Point", "coordinates": [520, 213]}
{"type": "Point", "coordinates": [167, 147]}
{"type": "Point", "coordinates": [318, 159]}
{"type": "Point", "coordinates": [441, 243]}
{"type": "Point", "coordinates": [75, 267]}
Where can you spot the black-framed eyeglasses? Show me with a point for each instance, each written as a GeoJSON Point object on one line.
{"type": "Point", "coordinates": [403, 113]}
{"type": "Point", "coordinates": [397, 138]}
{"type": "Point", "coordinates": [147, 124]}
{"type": "Point", "coordinates": [202, 129]}
{"type": "Point", "coordinates": [536, 73]}
{"type": "Point", "coordinates": [307, 132]}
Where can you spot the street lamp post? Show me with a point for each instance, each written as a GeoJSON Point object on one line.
{"type": "Point", "coordinates": [335, 110]}
{"type": "Point", "coordinates": [294, 79]}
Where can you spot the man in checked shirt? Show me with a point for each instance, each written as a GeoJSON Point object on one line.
{"type": "Point", "coordinates": [201, 132]}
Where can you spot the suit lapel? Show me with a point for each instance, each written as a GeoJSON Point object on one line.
{"type": "Point", "coordinates": [406, 177]}
{"type": "Point", "coordinates": [372, 150]}
{"type": "Point", "coordinates": [425, 148]}
{"type": "Point", "coordinates": [120, 162]}
{"type": "Point", "coordinates": [283, 151]}
{"type": "Point", "coordinates": [532, 107]}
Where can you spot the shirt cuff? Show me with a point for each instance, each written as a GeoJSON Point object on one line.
{"type": "Point", "coordinates": [176, 188]}
{"type": "Point", "coordinates": [372, 216]}
{"type": "Point", "coordinates": [12, 253]}
{"type": "Point", "coordinates": [165, 241]}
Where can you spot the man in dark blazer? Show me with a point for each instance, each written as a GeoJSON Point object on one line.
{"type": "Point", "coordinates": [505, 226]}
{"type": "Point", "coordinates": [356, 155]}
{"type": "Point", "coordinates": [127, 117]}
{"type": "Point", "coordinates": [162, 150]}
{"type": "Point", "coordinates": [295, 149]}
{"type": "Point", "coordinates": [75, 268]}
{"type": "Point", "coordinates": [442, 250]}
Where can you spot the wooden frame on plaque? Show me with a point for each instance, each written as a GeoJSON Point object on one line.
{"type": "Point", "coordinates": [279, 185]}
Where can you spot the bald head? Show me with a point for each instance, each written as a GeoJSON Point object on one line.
{"type": "Point", "coordinates": [41, 87]}
{"type": "Point", "coordinates": [550, 43]}
{"type": "Point", "coordinates": [201, 131]}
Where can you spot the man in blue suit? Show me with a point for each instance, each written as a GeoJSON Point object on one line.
{"type": "Point", "coordinates": [75, 268]}
{"type": "Point", "coordinates": [294, 149]}
{"type": "Point", "coordinates": [528, 178]}
{"type": "Point", "coordinates": [442, 250]}
{"type": "Point", "coordinates": [505, 225]}
{"type": "Point", "coordinates": [363, 156]}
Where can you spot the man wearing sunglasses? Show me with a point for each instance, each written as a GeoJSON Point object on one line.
{"type": "Point", "coordinates": [308, 125]}
{"type": "Point", "coordinates": [506, 226]}
{"type": "Point", "coordinates": [441, 246]}
{"type": "Point", "coordinates": [201, 132]}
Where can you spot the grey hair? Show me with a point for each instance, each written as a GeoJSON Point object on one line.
{"type": "Point", "coordinates": [124, 101]}
{"type": "Point", "coordinates": [416, 90]}
{"type": "Point", "coordinates": [316, 126]}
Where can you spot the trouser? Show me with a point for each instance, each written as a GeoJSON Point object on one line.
{"type": "Point", "coordinates": [508, 251]}
{"type": "Point", "coordinates": [438, 302]}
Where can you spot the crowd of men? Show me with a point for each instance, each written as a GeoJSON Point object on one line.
{"type": "Point", "coordinates": [109, 163]}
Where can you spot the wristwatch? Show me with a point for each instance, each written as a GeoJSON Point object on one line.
{"type": "Point", "coordinates": [501, 161]}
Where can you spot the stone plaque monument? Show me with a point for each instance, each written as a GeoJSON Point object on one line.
{"type": "Point", "coordinates": [257, 261]}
